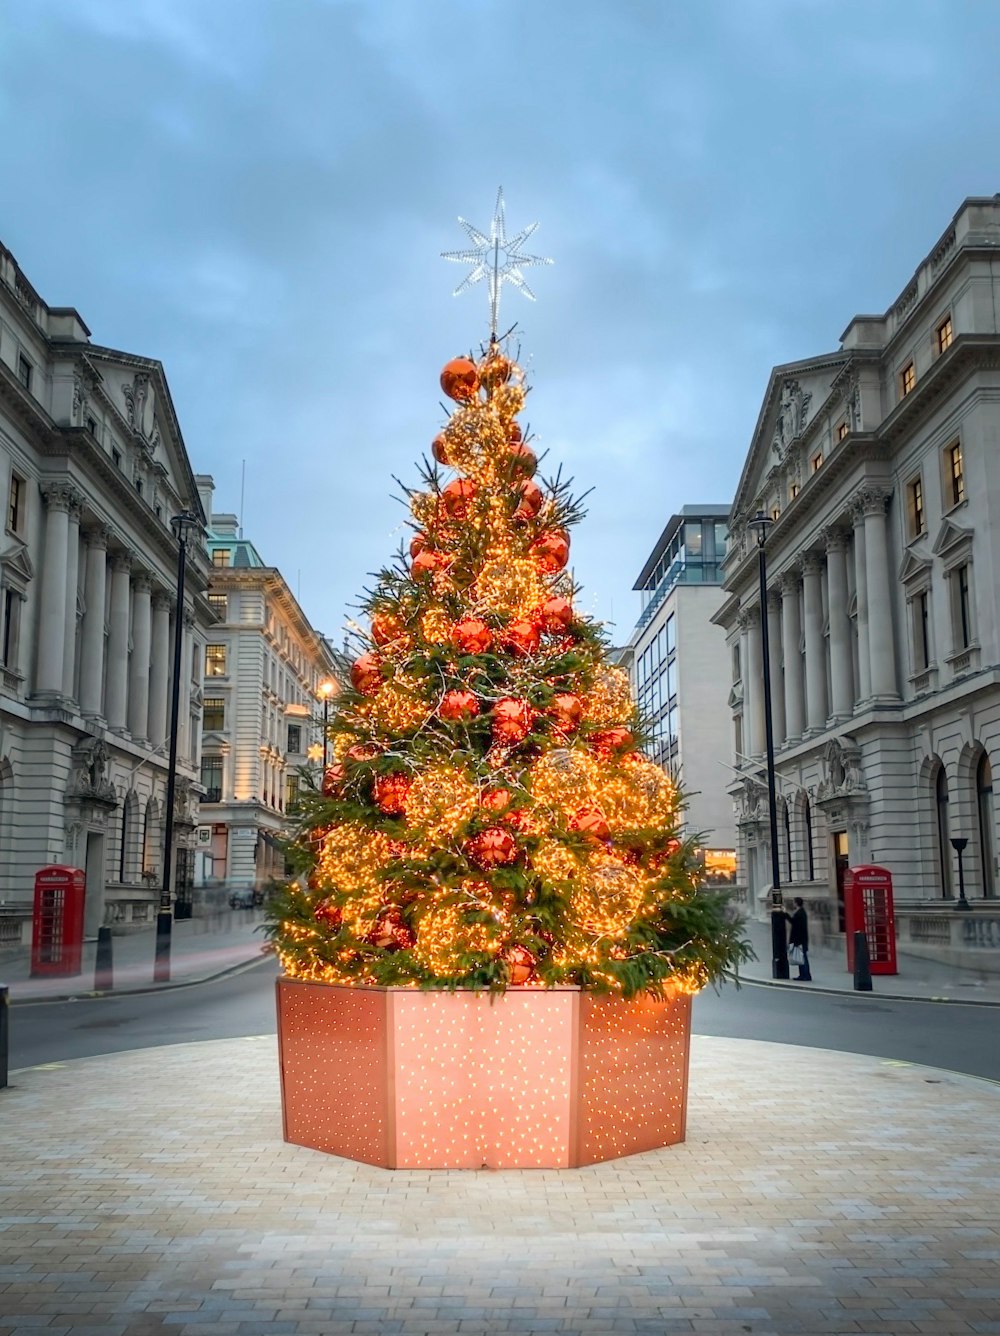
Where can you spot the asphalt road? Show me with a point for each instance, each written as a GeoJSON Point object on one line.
{"type": "Point", "coordinates": [948, 1035]}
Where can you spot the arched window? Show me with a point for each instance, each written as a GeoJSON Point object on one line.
{"type": "Point", "coordinates": [150, 838]}
{"type": "Point", "coordinates": [944, 844]}
{"type": "Point", "coordinates": [807, 818]}
{"type": "Point", "coordinates": [126, 836]}
{"type": "Point", "coordinates": [788, 844]}
{"type": "Point", "coordinates": [984, 808]}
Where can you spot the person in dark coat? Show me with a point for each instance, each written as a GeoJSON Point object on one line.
{"type": "Point", "coordinates": [799, 936]}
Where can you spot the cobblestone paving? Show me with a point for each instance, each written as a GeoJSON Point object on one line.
{"type": "Point", "coordinates": [150, 1194]}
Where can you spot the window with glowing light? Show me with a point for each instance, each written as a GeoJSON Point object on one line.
{"type": "Point", "coordinates": [215, 661]}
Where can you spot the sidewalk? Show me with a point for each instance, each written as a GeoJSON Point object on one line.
{"type": "Point", "coordinates": [150, 1194]}
{"type": "Point", "coordinates": [926, 980]}
{"type": "Point", "coordinates": [200, 949]}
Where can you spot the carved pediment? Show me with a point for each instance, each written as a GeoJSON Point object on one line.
{"type": "Point", "coordinates": [914, 568]}
{"type": "Point", "coordinates": [17, 565]}
{"type": "Point", "coordinates": [951, 537]}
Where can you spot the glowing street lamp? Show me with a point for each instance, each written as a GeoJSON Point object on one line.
{"type": "Point", "coordinates": [326, 689]}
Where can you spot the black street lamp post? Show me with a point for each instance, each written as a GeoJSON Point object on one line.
{"type": "Point", "coordinates": [182, 526]}
{"type": "Point", "coordinates": [326, 690]}
{"type": "Point", "coordinates": [760, 524]}
{"type": "Point", "coordinates": [958, 844]}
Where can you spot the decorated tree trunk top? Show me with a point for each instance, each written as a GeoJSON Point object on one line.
{"type": "Point", "coordinates": [488, 819]}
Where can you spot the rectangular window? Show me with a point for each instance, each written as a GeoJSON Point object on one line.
{"type": "Point", "coordinates": [943, 335]}
{"type": "Point", "coordinates": [915, 504]}
{"type": "Point", "coordinates": [222, 556]}
{"type": "Point", "coordinates": [219, 603]}
{"type": "Point", "coordinates": [215, 661]}
{"type": "Point", "coordinates": [92, 426]}
{"type": "Point", "coordinates": [842, 431]}
{"type": "Point", "coordinates": [11, 625]}
{"type": "Point", "coordinates": [794, 490]}
{"type": "Point", "coordinates": [921, 631]}
{"type": "Point", "coordinates": [963, 610]}
{"type": "Point", "coordinates": [817, 463]}
{"type": "Point", "coordinates": [671, 634]}
{"type": "Point", "coordinates": [211, 778]}
{"type": "Point", "coordinates": [214, 714]}
{"type": "Point", "coordinates": [116, 456]}
{"type": "Point", "coordinates": [24, 370]}
{"type": "Point", "coordinates": [295, 738]}
{"type": "Point", "coordinates": [775, 512]}
{"type": "Point", "coordinates": [907, 379]}
{"type": "Point", "coordinates": [15, 506]}
{"type": "Point", "coordinates": [956, 473]}
{"type": "Point", "coordinates": [291, 791]}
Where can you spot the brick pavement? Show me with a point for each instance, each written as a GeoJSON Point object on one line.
{"type": "Point", "coordinates": [150, 1194]}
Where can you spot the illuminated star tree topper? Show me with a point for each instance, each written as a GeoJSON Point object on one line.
{"type": "Point", "coordinates": [497, 258]}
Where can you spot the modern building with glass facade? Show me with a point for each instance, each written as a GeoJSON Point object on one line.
{"type": "Point", "coordinates": [679, 667]}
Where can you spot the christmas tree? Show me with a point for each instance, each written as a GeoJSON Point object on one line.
{"type": "Point", "coordinates": [489, 818]}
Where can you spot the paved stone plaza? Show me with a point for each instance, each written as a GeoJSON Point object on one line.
{"type": "Point", "coordinates": [150, 1192]}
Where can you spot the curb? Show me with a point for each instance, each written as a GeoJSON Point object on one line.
{"type": "Point", "coordinates": [741, 980]}
{"type": "Point", "coordinates": [92, 995]}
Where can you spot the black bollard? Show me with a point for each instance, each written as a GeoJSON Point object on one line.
{"type": "Point", "coordinates": [4, 1033]}
{"type": "Point", "coordinates": [862, 964]}
{"type": "Point", "coordinates": [104, 973]}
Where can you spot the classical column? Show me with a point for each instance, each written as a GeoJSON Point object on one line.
{"type": "Point", "coordinates": [52, 613]}
{"type": "Point", "coordinates": [72, 589]}
{"type": "Point", "coordinates": [95, 598]}
{"type": "Point", "coordinates": [812, 599]}
{"type": "Point", "coordinates": [878, 580]}
{"type": "Point", "coordinates": [841, 666]}
{"type": "Point", "coordinates": [138, 685]}
{"type": "Point", "coordinates": [185, 742]}
{"type": "Point", "coordinates": [116, 690]}
{"type": "Point", "coordinates": [776, 654]}
{"type": "Point", "coordinates": [160, 670]}
{"type": "Point", "coordinates": [755, 675]}
{"type": "Point", "coordinates": [861, 585]}
{"type": "Point", "coordinates": [791, 634]}
{"type": "Point", "coordinates": [743, 622]}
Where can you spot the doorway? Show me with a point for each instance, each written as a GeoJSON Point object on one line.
{"type": "Point", "coordinates": [93, 902]}
{"type": "Point", "coordinates": [841, 862]}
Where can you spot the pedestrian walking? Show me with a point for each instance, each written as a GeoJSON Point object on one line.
{"type": "Point", "coordinates": [798, 941]}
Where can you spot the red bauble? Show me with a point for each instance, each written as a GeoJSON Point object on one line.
{"type": "Point", "coordinates": [458, 705]}
{"type": "Point", "coordinates": [386, 627]}
{"type": "Point", "coordinates": [512, 720]}
{"type": "Point", "coordinates": [520, 964]}
{"type": "Point", "coordinates": [391, 931]}
{"type": "Point", "coordinates": [566, 711]}
{"type": "Point", "coordinates": [362, 751]}
{"type": "Point", "coordinates": [591, 822]}
{"type": "Point", "coordinates": [439, 449]}
{"type": "Point", "coordinates": [327, 913]}
{"type": "Point", "coordinates": [611, 742]}
{"type": "Point", "coordinates": [522, 637]}
{"type": "Point", "coordinates": [390, 792]}
{"type": "Point", "coordinates": [531, 500]}
{"type": "Point", "coordinates": [426, 562]}
{"type": "Point", "coordinates": [471, 636]}
{"type": "Point", "coordinates": [419, 543]}
{"type": "Point", "coordinates": [496, 800]}
{"type": "Point", "coordinates": [456, 497]}
{"type": "Point", "coordinates": [366, 674]}
{"type": "Point", "coordinates": [492, 847]}
{"type": "Point", "coordinates": [551, 551]}
{"type": "Point", "coordinates": [333, 776]}
{"type": "Point", "coordinates": [522, 458]}
{"type": "Point", "coordinates": [556, 614]}
{"type": "Point", "coordinates": [460, 379]}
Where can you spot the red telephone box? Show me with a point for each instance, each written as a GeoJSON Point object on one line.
{"type": "Point", "coordinates": [868, 909]}
{"type": "Point", "coordinates": [57, 923]}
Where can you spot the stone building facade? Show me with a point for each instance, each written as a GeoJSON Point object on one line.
{"type": "Point", "coordinates": [676, 662]}
{"type": "Point", "coordinates": [879, 464]}
{"type": "Point", "coordinates": [92, 469]}
{"type": "Point", "coordinates": [265, 666]}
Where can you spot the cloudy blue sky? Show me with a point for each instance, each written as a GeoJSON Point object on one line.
{"type": "Point", "coordinates": [256, 192]}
